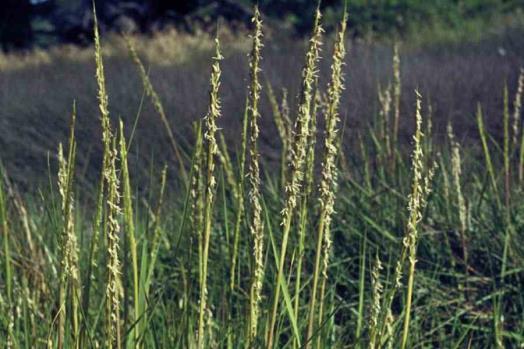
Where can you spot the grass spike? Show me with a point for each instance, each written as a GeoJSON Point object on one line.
{"type": "Point", "coordinates": [328, 181]}
{"type": "Point", "coordinates": [211, 150]}
{"type": "Point", "coordinates": [298, 155]}
{"type": "Point", "coordinates": [256, 224]}
{"type": "Point", "coordinates": [110, 177]}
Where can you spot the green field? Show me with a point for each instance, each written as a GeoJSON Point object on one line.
{"type": "Point", "coordinates": [406, 232]}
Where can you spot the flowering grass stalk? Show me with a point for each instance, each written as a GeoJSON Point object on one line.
{"type": "Point", "coordinates": [112, 229]}
{"type": "Point", "coordinates": [420, 190]}
{"type": "Point", "coordinates": [69, 275]}
{"type": "Point", "coordinates": [328, 181]}
{"type": "Point", "coordinates": [211, 149]}
{"type": "Point", "coordinates": [256, 226]}
{"type": "Point", "coordinates": [298, 155]}
{"type": "Point", "coordinates": [130, 232]}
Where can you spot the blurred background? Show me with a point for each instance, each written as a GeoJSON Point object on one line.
{"type": "Point", "coordinates": [27, 23]}
{"type": "Point", "coordinates": [457, 52]}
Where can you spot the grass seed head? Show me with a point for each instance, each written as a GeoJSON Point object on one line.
{"type": "Point", "coordinates": [256, 226]}
{"type": "Point", "coordinates": [517, 107]}
{"type": "Point", "coordinates": [211, 148]}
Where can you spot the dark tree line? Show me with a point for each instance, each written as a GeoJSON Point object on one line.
{"type": "Point", "coordinates": [71, 20]}
{"type": "Point", "coordinates": [24, 23]}
{"type": "Point", "coordinates": [15, 24]}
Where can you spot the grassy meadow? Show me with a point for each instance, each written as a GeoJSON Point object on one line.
{"type": "Point", "coordinates": [257, 192]}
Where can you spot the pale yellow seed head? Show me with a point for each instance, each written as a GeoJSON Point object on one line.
{"type": "Point", "coordinates": [256, 225]}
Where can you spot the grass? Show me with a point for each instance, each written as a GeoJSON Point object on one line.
{"type": "Point", "coordinates": [345, 240]}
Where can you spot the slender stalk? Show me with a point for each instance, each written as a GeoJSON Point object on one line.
{"type": "Point", "coordinates": [64, 260]}
{"type": "Point", "coordinates": [517, 123]}
{"type": "Point", "coordinates": [10, 340]}
{"type": "Point", "coordinates": [377, 290]}
{"type": "Point", "coordinates": [256, 227]}
{"type": "Point", "coordinates": [298, 156]}
{"type": "Point", "coordinates": [456, 172]}
{"type": "Point", "coordinates": [288, 127]}
{"type": "Point", "coordinates": [197, 209]}
{"type": "Point", "coordinates": [73, 244]}
{"type": "Point", "coordinates": [113, 286]}
{"type": "Point", "coordinates": [328, 182]}
{"type": "Point", "coordinates": [305, 204]}
{"type": "Point", "coordinates": [417, 200]}
{"type": "Point", "coordinates": [420, 190]}
{"type": "Point", "coordinates": [211, 149]}
{"type": "Point", "coordinates": [517, 108]}
{"type": "Point", "coordinates": [240, 209]}
{"type": "Point", "coordinates": [521, 160]}
{"type": "Point", "coordinates": [227, 166]}
{"type": "Point", "coordinates": [130, 230]}
{"type": "Point", "coordinates": [92, 258]}
{"type": "Point", "coordinates": [384, 97]}
{"type": "Point", "coordinates": [506, 149]}
{"type": "Point", "coordinates": [361, 288]}
{"type": "Point", "coordinates": [281, 118]}
{"type": "Point", "coordinates": [487, 154]}
{"type": "Point", "coordinates": [157, 104]}
{"type": "Point", "coordinates": [397, 87]}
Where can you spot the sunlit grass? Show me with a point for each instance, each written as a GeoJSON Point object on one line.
{"type": "Point", "coordinates": [327, 247]}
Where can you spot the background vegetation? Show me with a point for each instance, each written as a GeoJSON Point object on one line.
{"type": "Point", "coordinates": [24, 23]}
